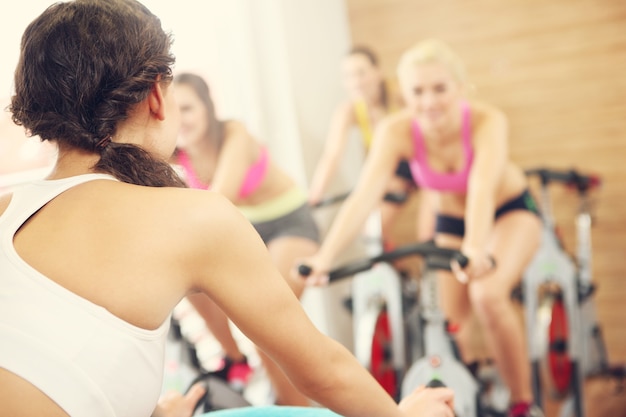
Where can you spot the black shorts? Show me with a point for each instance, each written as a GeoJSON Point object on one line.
{"type": "Point", "coordinates": [297, 223]}
{"type": "Point", "coordinates": [456, 226]}
{"type": "Point", "coordinates": [403, 170]}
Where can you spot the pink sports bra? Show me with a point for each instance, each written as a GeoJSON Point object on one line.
{"type": "Point", "coordinates": [425, 177]}
{"type": "Point", "coordinates": [252, 181]}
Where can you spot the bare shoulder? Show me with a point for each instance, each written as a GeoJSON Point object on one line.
{"type": "Point", "coordinates": [5, 199]}
{"type": "Point", "coordinates": [397, 124]}
{"type": "Point", "coordinates": [238, 133]}
{"type": "Point", "coordinates": [171, 215]}
{"type": "Point", "coordinates": [204, 230]}
{"type": "Point", "coordinates": [181, 208]}
{"type": "Point", "coordinates": [345, 112]}
{"type": "Point", "coordinates": [181, 231]}
{"type": "Point", "coordinates": [239, 141]}
{"type": "Point", "coordinates": [485, 112]}
{"type": "Point", "coordinates": [234, 127]}
{"type": "Point", "coordinates": [345, 107]}
{"type": "Point", "coordinates": [393, 135]}
{"type": "Point", "coordinates": [489, 127]}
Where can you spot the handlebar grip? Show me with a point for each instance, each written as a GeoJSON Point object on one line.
{"type": "Point", "coordinates": [330, 200]}
{"type": "Point", "coordinates": [396, 198]}
{"type": "Point", "coordinates": [339, 273]}
{"type": "Point", "coordinates": [304, 270]}
{"type": "Point", "coordinates": [435, 383]}
{"type": "Point", "coordinates": [461, 259]}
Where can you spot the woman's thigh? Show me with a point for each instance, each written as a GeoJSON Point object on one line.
{"type": "Point", "coordinates": [513, 243]}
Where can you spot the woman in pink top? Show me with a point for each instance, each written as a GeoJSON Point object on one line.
{"type": "Point", "coordinates": [223, 156]}
{"type": "Point", "coordinates": [458, 148]}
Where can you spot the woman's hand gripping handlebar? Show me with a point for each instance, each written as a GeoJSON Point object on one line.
{"type": "Point", "coordinates": [435, 256]}
{"type": "Point", "coordinates": [475, 267]}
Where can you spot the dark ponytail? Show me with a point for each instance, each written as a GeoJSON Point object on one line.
{"type": "Point", "coordinates": [134, 165]}
{"type": "Point", "coordinates": [83, 66]}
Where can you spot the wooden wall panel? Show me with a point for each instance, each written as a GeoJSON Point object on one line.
{"type": "Point", "coordinates": [558, 69]}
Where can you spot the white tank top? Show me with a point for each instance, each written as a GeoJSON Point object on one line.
{"type": "Point", "coordinates": [89, 361]}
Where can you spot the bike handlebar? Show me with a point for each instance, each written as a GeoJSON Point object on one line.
{"type": "Point", "coordinates": [436, 258]}
{"type": "Point", "coordinates": [329, 201]}
{"type": "Point", "coordinates": [570, 177]}
{"type": "Point", "coordinates": [397, 198]}
{"type": "Point", "coordinates": [435, 383]}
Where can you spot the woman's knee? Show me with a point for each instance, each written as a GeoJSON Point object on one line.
{"type": "Point", "coordinates": [488, 300]}
{"type": "Point", "coordinates": [456, 306]}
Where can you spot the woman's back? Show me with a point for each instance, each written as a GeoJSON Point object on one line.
{"type": "Point", "coordinates": [88, 284]}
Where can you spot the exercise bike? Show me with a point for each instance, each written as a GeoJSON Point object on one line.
{"type": "Point", "coordinates": [183, 368]}
{"type": "Point", "coordinates": [565, 339]}
{"type": "Point", "coordinates": [440, 364]}
{"type": "Point", "coordinates": [382, 303]}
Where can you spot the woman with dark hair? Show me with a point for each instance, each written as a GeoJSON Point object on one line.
{"type": "Point", "coordinates": [94, 258]}
{"type": "Point", "coordinates": [223, 156]}
{"type": "Point", "coordinates": [369, 100]}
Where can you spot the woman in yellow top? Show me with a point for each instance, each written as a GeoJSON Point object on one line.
{"type": "Point", "coordinates": [370, 100]}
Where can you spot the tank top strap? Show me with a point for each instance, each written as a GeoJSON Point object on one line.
{"type": "Point", "coordinates": [363, 121]}
{"type": "Point", "coordinates": [255, 174]}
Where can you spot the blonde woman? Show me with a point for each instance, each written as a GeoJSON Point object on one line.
{"type": "Point", "coordinates": [457, 147]}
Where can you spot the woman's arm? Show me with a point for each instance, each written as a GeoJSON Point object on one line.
{"type": "Point", "coordinates": [228, 261]}
{"type": "Point", "coordinates": [231, 264]}
{"type": "Point", "coordinates": [233, 161]}
{"type": "Point", "coordinates": [388, 148]}
{"type": "Point", "coordinates": [334, 148]}
{"type": "Point", "coordinates": [426, 216]}
{"type": "Point", "coordinates": [490, 158]}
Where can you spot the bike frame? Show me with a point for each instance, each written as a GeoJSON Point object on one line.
{"type": "Point", "coordinates": [440, 361]}
{"type": "Point", "coordinates": [553, 266]}
{"type": "Point", "coordinates": [377, 291]}
{"type": "Point", "coordinates": [374, 291]}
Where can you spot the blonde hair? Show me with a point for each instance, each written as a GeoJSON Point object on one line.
{"type": "Point", "coordinates": [432, 51]}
